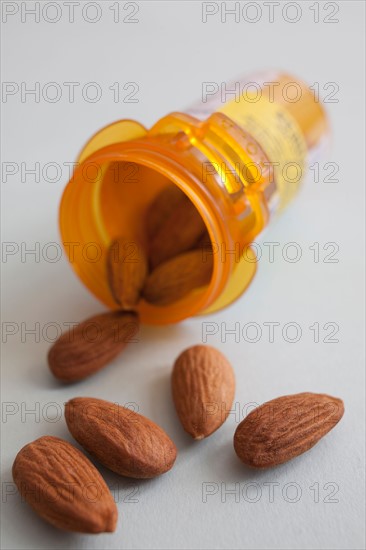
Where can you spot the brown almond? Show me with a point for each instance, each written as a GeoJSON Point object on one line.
{"type": "Point", "coordinates": [178, 233]}
{"type": "Point", "coordinates": [161, 207]}
{"type": "Point", "coordinates": [203, 385]}
{"type": "Point", "coordinates": [172, 280]}
{"type": "Point", "coordinates": [64, 487]}
{"type": "Point", "coordinates": [127, 269]}
{"type": "Point", "coordinates": [286, 427]}
{"type": "Point", "coordinates": [89, 346]}
{"type": "Point", "coordinates": [122, 440]}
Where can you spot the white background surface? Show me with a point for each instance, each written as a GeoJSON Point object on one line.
{"type": "Point", "coordinates": [169, 53]}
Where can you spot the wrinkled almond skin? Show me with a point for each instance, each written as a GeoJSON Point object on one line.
{"type": "Point", "coordinates": [89, 346]}
{"type": "Point", "coordinates": [203, 386]}
{"type": "Point", "coordinates": [178, 233]}
{"type": "Point", "coordinates": [127, 268]}
{"type": "Point", "coordinates": [122, 440]}
{"type": "Point", "coordinates": [286, 427]}
{"type": "Point", "coordinates": [64, 487]}
{"type": "Point", "coordinates": [172, 280]}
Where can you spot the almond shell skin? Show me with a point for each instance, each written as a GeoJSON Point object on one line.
{"type": "Point", "coordinates": [122, 440]}
{"type": "Point", "coordinates": [91, 345]}
{"type": "Point", "coordinates": [203, 386]}
{"type": "Point", "coordinates": [64, 487]}
{"type": "Point", "coordinates": [285, 427]}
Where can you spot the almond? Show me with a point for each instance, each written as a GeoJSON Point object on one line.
{"type": "Point", "coordinates": [126, 271]}
{"type": "Point", "coordinates": [64, 487]}
{"type": "Point", "coordinates": [203, 385]}
{"type": "Point", "coordinates": [178, 233]}
{"type": "Point", "coordinates": [286, 427]}
{"type": "Point", "coordinates": [175, 278]}
{"type": "Point", "coordinates": [89, 346]}
{"type": "Point", "coordinates": [122, 440]}
{"type": "Point", "coordinates": [161, 207]}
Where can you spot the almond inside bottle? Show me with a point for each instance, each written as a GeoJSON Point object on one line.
{"type": "Point", "coordinates": [173, 263]}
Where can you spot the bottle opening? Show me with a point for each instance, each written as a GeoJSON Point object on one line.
{"type": "Point", "coordinates": [109, 198]}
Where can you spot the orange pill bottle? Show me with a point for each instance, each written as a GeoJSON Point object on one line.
{"type": "Point", "coordinates": [240, 155]}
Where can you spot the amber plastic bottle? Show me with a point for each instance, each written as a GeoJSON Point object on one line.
{"type": "Point", "coordinates": [239, 161]}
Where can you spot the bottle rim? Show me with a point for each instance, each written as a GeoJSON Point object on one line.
{"type": "Point", "coordinates": [153, 156]}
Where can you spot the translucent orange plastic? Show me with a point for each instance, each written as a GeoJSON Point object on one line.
{"type": "Point", "coordinates": [222, 167]}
